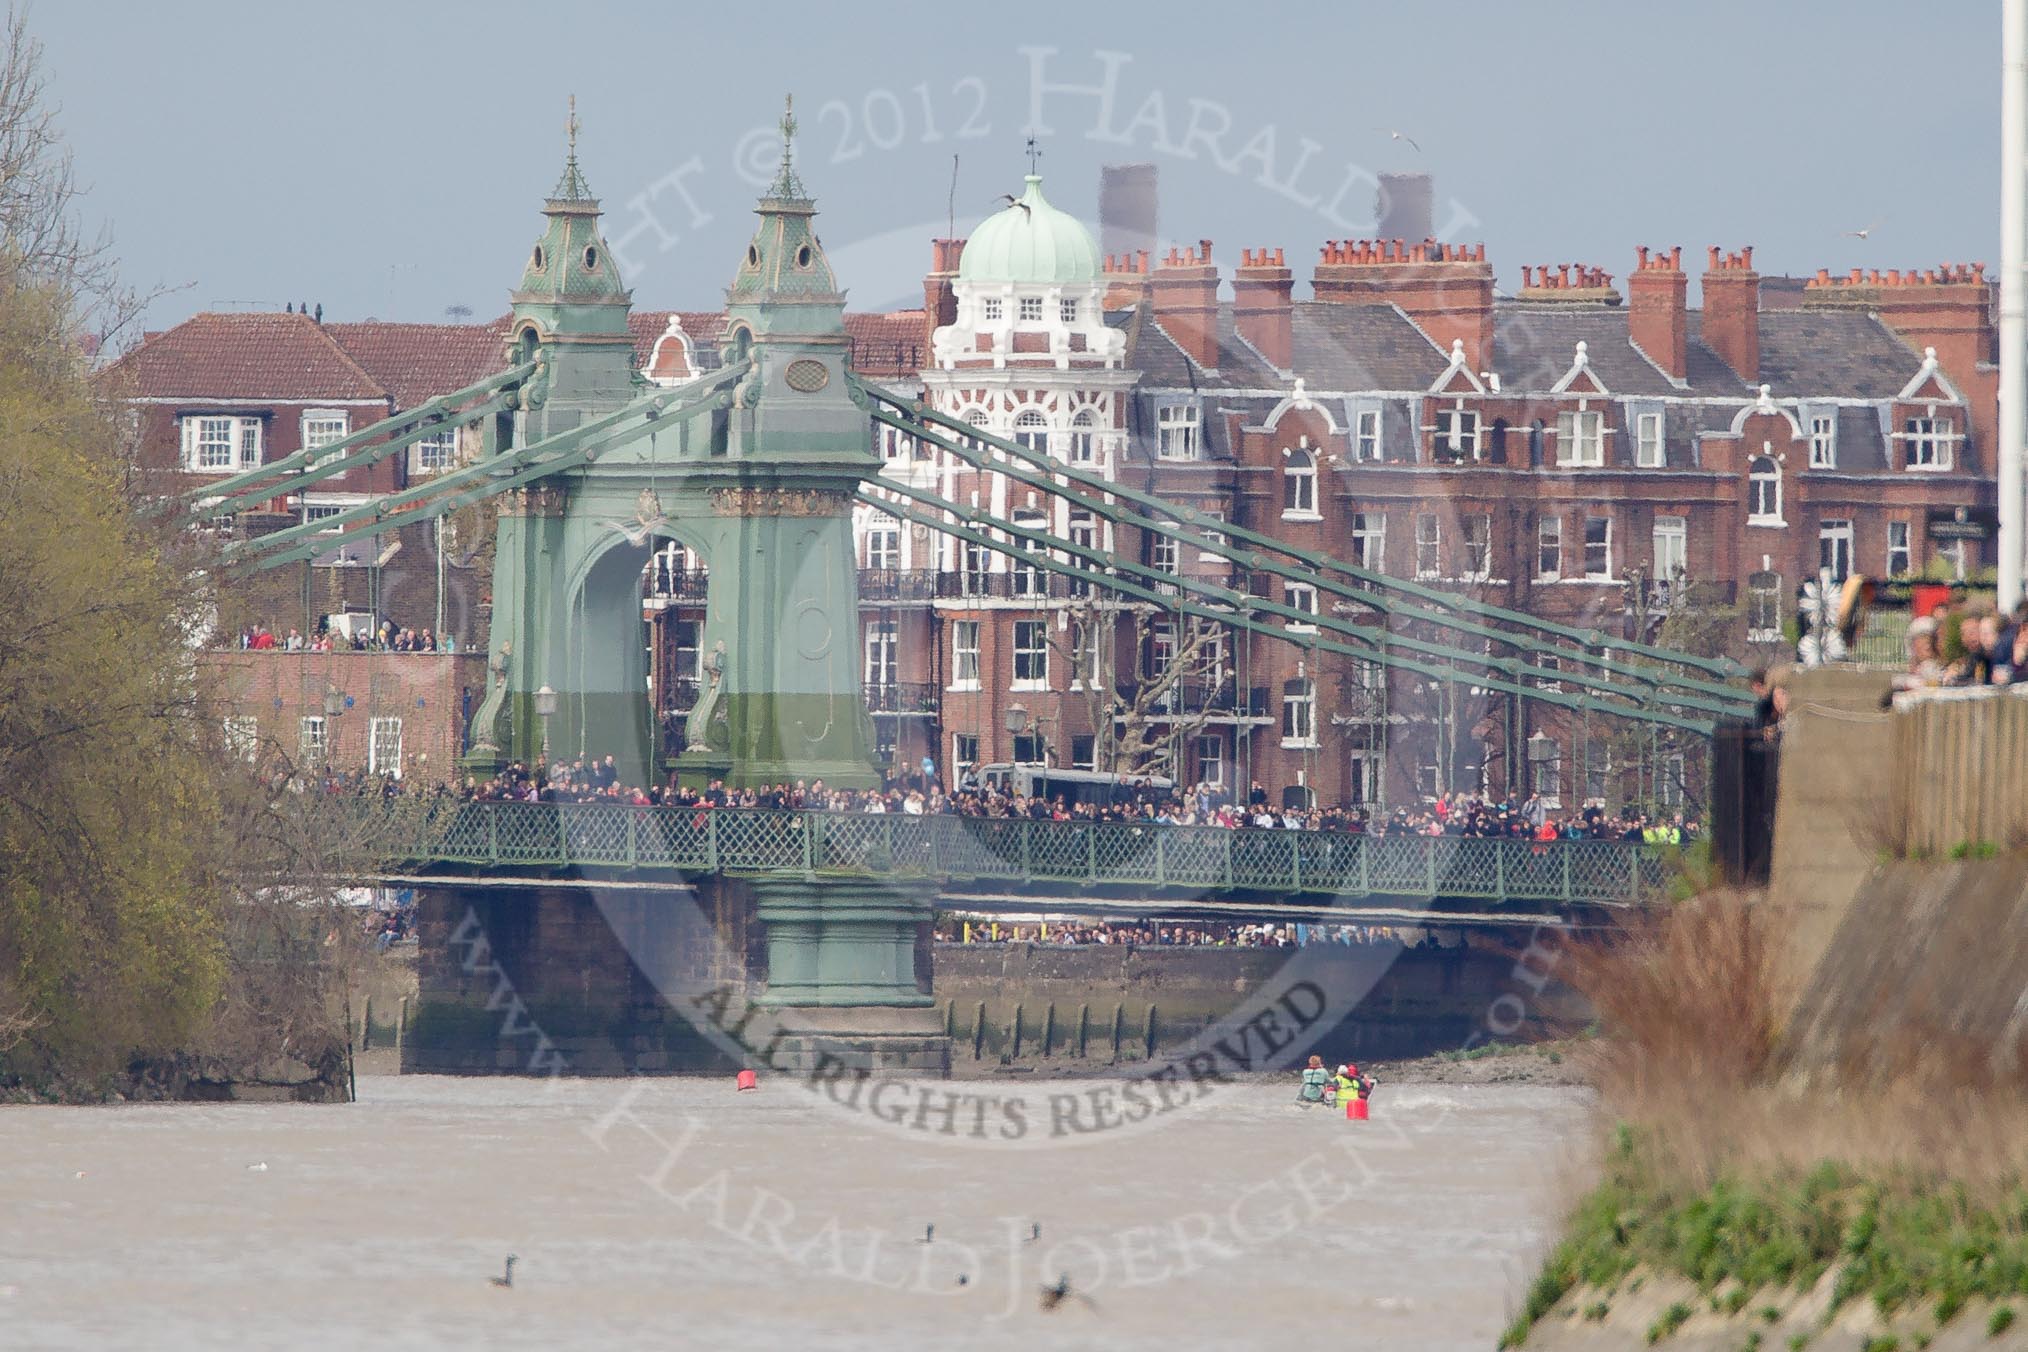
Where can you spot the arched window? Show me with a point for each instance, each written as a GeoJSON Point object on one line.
{"type": "Point", "coordinates": [1764, 490]}
{"type": "Point", "coordinates": [1299, 483]}
{"type": "Point", "coordinates": [1083, 438]}
{"type": "Point", "coordinates": [1031, 429]}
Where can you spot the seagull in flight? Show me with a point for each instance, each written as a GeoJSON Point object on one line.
{"type": "Point", "coordinates": [1866, 233]}
{"type": "Point", "coordinates": [1394, 135]}
{"type": "Point", "coordinates": [1011, 200]}
{"type": "Point", "coordinates": [1059, 1291]}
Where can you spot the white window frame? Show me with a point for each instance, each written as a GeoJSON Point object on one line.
{"type": "Point", "coordinates": [1430, 539]}
{"type": "Point", "coordinates": [1031, 429]}
{"type": "Point", "coordinates": [1067, 311]}
{"type": "Point", "coordinates": [1649, 452]}
{"type": "Point", "coordinates": [883, 545]}
{"type": "Point", "coordinates": [1213, 537]}
{"type": "Point", "coordinates": [1837, 538]}
{"type": "Point", "coordinates": [1300, 596]}
{"type": "Point", "coordinates": [383, 745]}
{"type": "Point", "coordinates": [1029, 578]}
{"type": "Point", "coordinates": [321, 427]}
{"type": "Point", "coordinates": [1458, 432]}
{"type": "Point", "coordinates": [1211, 766]}
{"type": "Point", "coordinates": [1480, 569]}
{"type": "Point", "coordinates": [1030, 640]}
{"type": "Point", "coordinates": [1590, 574]}
{"type": "Point", "coordinates": [1545, 769]}
{"type": "Point", "coordinates": [882, 645]}
{"type": "Point", "coordinates": [1548, 536]}
{"type": "Point", "coordinates": [964, 755]}
{"type": "Point", "coordinates": [1369, 540]}
{"type": "Point", "coordinates": [1580, 439]}
{"type": "Point", "coordinates": [1755, 478]}
{"type": "Point", "coordinates": [1083, 448]}
{"type": "Point", "coordinates": [1671, 536]}
{"type": "Point", "coordinates": [1930, 441]}
{"type": "Point", "coordinates": [238, 437]}
{"type": "Point", "coordinates": [1299, 717]}
{"type": "Point", "coordinates": [989, 310]}
{"type": "Point", "coordinates": [436, 452]}
{"type": "Point", "coordinates": [1165, 553]}
{"type": "Point", "coordinates": [1366, 440]}
{"type": "Point", "coordinates": [1764, 603]}
{"type": "Point", "coordinates": [965, 655]}
{"type": "Point", "coordinates": [975, 565]}
{"type": "Point", "coordinates": [1177, 427]}
{"type": "Point", "coordinates": [1299, 484]}
{"type": "Point", "coordinates": [1823, 441]}
{"type": "Point", "coordinates": [313, 739]}
{"type": "Point", "coordinates": [1900, 541]}
{"type": "Point", "coordinates": [1028, 309]}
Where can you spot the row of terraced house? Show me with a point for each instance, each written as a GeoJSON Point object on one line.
{"type": "Point", "coordinates": [1583, 447]}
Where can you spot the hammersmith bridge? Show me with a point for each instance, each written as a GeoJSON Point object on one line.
{"type": "Point", "coordinates": [757, 467]}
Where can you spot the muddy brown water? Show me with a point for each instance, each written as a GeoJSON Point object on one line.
{"type": "Point", "coordinates": [676, 1212]}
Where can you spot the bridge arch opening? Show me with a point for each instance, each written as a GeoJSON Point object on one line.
{"type": "Point", "coordinates": [634, 656]}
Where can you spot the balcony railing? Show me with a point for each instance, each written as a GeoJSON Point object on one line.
{"type": "Point", "coordinates": [1200, 858]}
{"type": "Point", "coordinates": [897, 584]}
{"type": "Point", "coordinates": [678, 584]}
{"type": "Point", "coordinates": [901, 697]}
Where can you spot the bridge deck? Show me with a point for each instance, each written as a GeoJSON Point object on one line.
{"type": "Point", "coordinates": [602, 836]}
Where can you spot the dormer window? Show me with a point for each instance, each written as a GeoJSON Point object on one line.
{"type": "Point", "coordinates": [1580, 440]}
{"type": "Point", "coordinates": [1176, 432]}
{"type": "Point", "coordinates": [591, 259]}
{"type": "Point", "coordinates": [1031, 309]}
{"type": "Point", "coordinates": [1929, 441]}
{"type": "Point", "coordinates": [537, 259]}
{"type": "Point", "coordinates": [1458, 435]}
{"type": "Point", "coordinates": [1366, 444]}
{"type": "Point", "coordinates": [989, 309]}
{"type": "Point", "coordinates": [1823, 442]}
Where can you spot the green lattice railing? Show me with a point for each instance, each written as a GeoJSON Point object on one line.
{"type": "Point", "coordinates": [1199, 858]}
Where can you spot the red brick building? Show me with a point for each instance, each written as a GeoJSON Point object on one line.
{"type": "Point", "coordinates": [1582, 453]}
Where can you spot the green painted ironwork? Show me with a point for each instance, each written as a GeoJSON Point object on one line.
{"type": "Point", "coordinates": [1229, 607]}
{"type": "Point", "coordinates": [764, 843]}
{"type": "Point", "coordinates": [495, 475]}
{"type": "Point", "coordinates": [1377, 591]}
{"type": "Point", "coordinates": [350, 452]}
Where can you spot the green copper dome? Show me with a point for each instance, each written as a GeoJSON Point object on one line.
{"type": "Point", "coordinates": [1031, 243]}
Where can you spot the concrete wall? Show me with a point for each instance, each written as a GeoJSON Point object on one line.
{"type": "Point", "coordinates": [1411, 1001]}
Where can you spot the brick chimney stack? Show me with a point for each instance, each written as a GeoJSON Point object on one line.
{"type": "Point", "coordinates": [1263, 291]}
{"type": "Point", "coordinates": [1731, 325]}
{"type": "Point", "coordinates": [1186, 302]}
{"type": "Point", "coordinates": [1657, 304]}
{"type": "Point", "coordinates": [939, 300]}
{"type": "Point", "coordinates": [1125, 280]}
{"type": "Point", "coordinates": [1447, 289]}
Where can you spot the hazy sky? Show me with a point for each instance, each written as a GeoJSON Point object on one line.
{"type": "Point", "coordinates": [389, 159]}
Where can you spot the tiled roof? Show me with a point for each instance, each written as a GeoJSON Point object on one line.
{"type": "Point", "coordinates": [1836, 354]}
{"type": "Point", "coordinates": [1534, 347]}
{"type": "Point", "coordinates": [417, 362]}
{"type": "Point", "coordinates": [1361, 347]}
{"type": "Point", "coordinates": [887, 343]}
{"type": "Point", "coordinates": [284, 358]}
{"type": "Point", "coordinates": [1163, 365]}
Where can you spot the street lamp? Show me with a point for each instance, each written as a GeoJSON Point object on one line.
{"type": "Point", "coordinates": [545, 709]}
{"type": "Point", "coordinates": [1017, 722]}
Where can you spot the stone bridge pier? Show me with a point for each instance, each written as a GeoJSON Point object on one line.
{"type": "Point", "coordinates": [633, 978]}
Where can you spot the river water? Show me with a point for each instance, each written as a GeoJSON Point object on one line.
{"type": "Point", "coordinates": [677, 1213]}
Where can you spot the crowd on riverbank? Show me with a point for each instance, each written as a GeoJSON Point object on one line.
{"type": "Point", "coordinates": [1961, 643]}
{"type": "Point", "coordinates": [388, 638]}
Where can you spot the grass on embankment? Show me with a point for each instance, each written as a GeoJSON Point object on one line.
{"type": "Point", "coordinates": [1896, 1238]}
{"type": "Point", "coordinates": [1909, 1192]}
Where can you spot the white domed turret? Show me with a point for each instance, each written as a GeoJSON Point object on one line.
{"type": "Point", "coordinates": [1029, 288]}
{"type": "Point", "coordinates": [1031, 243]}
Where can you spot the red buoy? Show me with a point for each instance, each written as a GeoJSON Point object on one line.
{"type": "Point", "coordinates": [748, 1080]}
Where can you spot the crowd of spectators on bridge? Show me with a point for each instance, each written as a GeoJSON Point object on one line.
{"type": "Point", "coordinates": [598, 779]}
{"type": "Point", "coordinates": [975, 930]}
{"type": "Point", "coordinates": [389, 638]}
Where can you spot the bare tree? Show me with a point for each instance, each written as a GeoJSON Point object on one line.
{"type": "Point", "coordinates": [1150, 679]}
